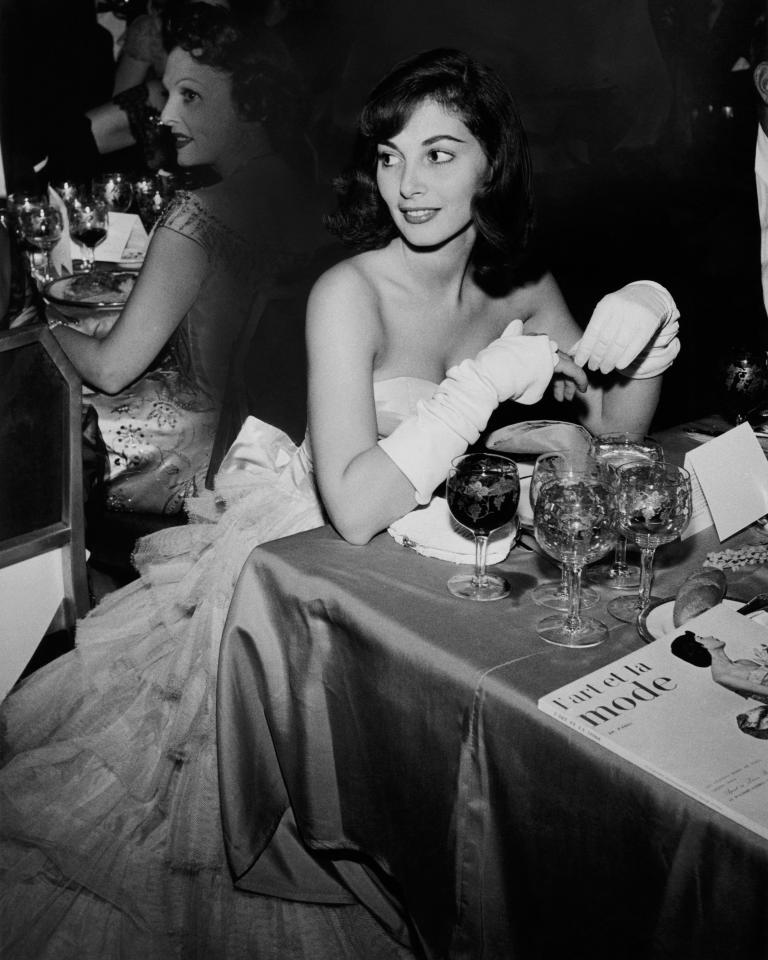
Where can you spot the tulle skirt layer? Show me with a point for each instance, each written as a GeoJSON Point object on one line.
{"type": "Point", "coordinates": [110, 836]}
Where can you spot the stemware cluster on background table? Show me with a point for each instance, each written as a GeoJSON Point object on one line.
{"type": "Point", "coordinates": [39, 225]}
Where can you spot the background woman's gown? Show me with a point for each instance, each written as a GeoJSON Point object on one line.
{"type": "Point", "coordinates": [110, 837]}
{"type": "Point", "coordinates": [255, 227]}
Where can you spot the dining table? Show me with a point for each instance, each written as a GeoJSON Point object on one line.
{"type": "Point", "coordinates": [380, 741]}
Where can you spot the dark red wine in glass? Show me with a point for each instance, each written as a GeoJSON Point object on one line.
{"type": "Point", "coordinates": [88, 225]}
{"type": "Point", "coordinates": [482, 491]}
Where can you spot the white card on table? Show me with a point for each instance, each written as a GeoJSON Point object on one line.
{"type": "Point", "coordinates": [111, 250]}
{"type": "Point", "coordinates": [732, 472]}
{"type": "Point", "coordinates": [701, 515]}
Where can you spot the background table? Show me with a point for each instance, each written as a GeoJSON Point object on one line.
{"type": "Point", "coordinates": [399, 727]}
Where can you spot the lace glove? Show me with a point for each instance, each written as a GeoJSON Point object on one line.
{"type": "Point", "coordinates": [633, 330]}
{"type": "Point", "coordinates": [512, 367]}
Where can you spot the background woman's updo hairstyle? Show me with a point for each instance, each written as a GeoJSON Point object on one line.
{"type": "Point", "coordinates": [503, 208]}
{"type": "Point", "coordinates": [266, 86]}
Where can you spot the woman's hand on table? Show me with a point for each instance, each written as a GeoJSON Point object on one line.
{"type": "Point", "coordinates": [95, 325]}
{"type": "Point", "coordinates": [98, 325]}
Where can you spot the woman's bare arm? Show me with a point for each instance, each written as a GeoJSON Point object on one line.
{"type": "Point", "coordinates": [166, 288]}
{"type": "Point", "coordinates": [362, 489]}
{"type": "Point", "coordinates": [129, 72]}
{"type": "Point", "coordinates": [612, 403]}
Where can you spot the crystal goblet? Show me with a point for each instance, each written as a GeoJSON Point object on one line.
{"type": "Point", "coordinates": [654, 507]}
{"type": "Point", "coordinates": [575, 522]}
{"type": "Point", "coordinates": [549, 466]}
{"type": "Point", "coordinates": [482, 491]}
{"type": "Point", "coordinates": [614, 450]}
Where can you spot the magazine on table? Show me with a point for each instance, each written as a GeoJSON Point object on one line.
{"type": "Point", "coordinates": [688, 710]}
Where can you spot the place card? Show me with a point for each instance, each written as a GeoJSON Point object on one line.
{"type": "Point", "coordinates": [730, 475]}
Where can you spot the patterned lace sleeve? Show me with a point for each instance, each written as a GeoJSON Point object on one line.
{"type": "Point", "coordinates": [188, 215]}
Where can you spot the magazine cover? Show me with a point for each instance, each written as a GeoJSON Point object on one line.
{"type": "Point", "coordinates": [691, 707]}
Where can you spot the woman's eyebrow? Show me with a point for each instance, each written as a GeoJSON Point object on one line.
{"type": "Point", "coordinates": [425, 143]}
{"type": "Point", "coordinates": [441, 136]}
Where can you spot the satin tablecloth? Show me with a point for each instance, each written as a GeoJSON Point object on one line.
{"type": "Point", "coordinates": [396, 727]}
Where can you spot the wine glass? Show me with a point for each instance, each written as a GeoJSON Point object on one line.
{"type": "Point", "coordinates": [614, 450]}
{"type": "Point", "coordinates": [574, 520]}
{"type": "Point", "coordinates": [115, 190]}
{"type": "Point", "coordinates": [150, 200]}
{"type": "Point", "coordinates": [548, 466]}
{"type": "Point", "coordinates": [482, 490]}
{"type": "Point", "coordinates": [42, 227]}
{"type": "Point", "coordinates": [654, 501]}
{"type": "Point", "coordinates": [88, 225]}
{"type": "Point", "coordinates": [16, 203]}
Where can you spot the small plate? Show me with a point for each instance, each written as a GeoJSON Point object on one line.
{"type": "Point", "coordinates": [656, 621]}
{"type": "Point", "coordinates": [77, 293]}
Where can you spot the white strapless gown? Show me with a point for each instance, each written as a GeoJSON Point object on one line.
{"type": "Point", "coordinates": [110, 838]}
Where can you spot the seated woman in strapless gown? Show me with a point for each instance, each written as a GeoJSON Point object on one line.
{"type": "Point", "coordinates": [232, 108]}
{"type": "Point", "coordinates": [439, 198]}
{"type": "Point", "coordinates": [110, 835]}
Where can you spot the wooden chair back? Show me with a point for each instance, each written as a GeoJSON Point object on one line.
{"type": "Point", "coordinates": [41, 485]}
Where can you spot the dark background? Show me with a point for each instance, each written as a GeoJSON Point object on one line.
{"type": "Point", "coordinates": [642, 134]}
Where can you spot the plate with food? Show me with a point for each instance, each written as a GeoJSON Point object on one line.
{"type": "Point", "coordinates": [95, 290]}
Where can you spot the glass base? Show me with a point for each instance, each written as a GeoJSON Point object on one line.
{"type": "Point", "coordinates": [589, 633]}
{"type": "Point", "coordinates": [628, 609]}
{"type": "Point", "coordinates": [624, 577]}
{"type": "Point", "coordinates": [553, 596]}
{"type": "Point", "coordinates": [489, 587]}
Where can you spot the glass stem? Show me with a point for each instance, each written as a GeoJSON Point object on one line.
{"type": "Point", "coordinates": [646, 576]}
{"type": "Point", "coordinates": [481, 551]}
{"type": "Point", "coordinates": [88, 259]}
{"type": "Point", "coordinates": [620, 556]}
{"type": "Point", "coordinates": [573, 579]}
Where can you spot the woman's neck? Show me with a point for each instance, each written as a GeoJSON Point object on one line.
{"type": "Point", "coordinates": [440, 271]}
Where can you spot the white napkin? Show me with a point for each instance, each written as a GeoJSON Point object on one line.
{"type": "Point", "coordinates": [136, 247]}
{"type": "Point", "coordinates": [61, 255]}
{"type": "Point", "coordinates": [432, 532]}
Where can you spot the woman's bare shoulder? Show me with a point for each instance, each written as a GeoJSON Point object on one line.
{"type": "Point", "coordinates": [354, 280]}
{"type": "Point", "coordinates": [345, 307]}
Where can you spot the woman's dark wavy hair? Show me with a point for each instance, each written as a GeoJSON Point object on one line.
{"type": "Point", "coordinates": [265, 83]}
{"type": "Point", "coordinates": [503, 208]}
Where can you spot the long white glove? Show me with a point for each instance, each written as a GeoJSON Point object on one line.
{"type": "Point", "coordinates": [512, 367]}
{"type": "Point", "coordinates": [633, 330]}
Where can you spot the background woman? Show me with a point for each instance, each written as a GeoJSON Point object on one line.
{"type": "Point", "coordinates": [230, 104]}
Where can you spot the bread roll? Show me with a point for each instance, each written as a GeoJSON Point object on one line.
{"type": "Point", "coordinates": [702, 590]}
